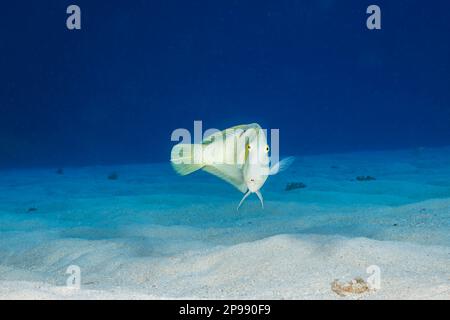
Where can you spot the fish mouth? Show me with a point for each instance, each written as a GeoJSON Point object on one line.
{"type": "Point", "coordinates": [253, 185]}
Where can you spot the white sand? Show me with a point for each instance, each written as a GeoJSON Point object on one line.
{"type": "Point", "coordinates": [153, 235]}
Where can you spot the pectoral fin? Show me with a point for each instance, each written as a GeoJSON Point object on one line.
{"type": "Point", "coordinates": [281, 166]}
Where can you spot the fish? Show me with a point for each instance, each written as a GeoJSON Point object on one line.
{"type": "Point", "coordinates": [238, 155]}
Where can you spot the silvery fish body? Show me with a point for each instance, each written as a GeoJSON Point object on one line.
{"type": "Point", "coordinates": [238, 155]}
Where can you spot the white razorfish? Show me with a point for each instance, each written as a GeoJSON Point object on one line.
{"type": "Point", "coordinates": [238, 155]}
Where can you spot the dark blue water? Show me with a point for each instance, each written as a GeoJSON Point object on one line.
{"type": "Point", "coordinates": [113, 91]}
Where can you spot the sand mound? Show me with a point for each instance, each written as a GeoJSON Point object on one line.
{"type": "Point", "coordinates": [284, 266]}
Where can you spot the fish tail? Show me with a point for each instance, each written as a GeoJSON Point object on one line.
{"type": "Point", "coordinates": [186, 158]}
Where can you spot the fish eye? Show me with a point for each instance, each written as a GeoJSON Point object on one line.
{"type": "Point", "coordinates": [267, 148]}
{"type": "Point", "coordinates": [248, 147]}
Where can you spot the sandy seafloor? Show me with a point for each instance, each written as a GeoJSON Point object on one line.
{"type": "Point", "coordinates": [151, 234]}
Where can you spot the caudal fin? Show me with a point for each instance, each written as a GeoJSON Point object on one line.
{"type": "Point", "coordinates": [183, 160]}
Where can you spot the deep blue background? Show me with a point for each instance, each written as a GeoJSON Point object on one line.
{"type": "Point", "coordinates": [114, 91]}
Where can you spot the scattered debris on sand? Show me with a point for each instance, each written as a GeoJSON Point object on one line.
{"type": "Point", "coordinates": [113, 176]}
{"type": "Point", "coordinates": [365, 178]}
{"type": "Point", "coordinates": [355, 286]}
{"type": "Point", "coordinates": [295, 185]}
